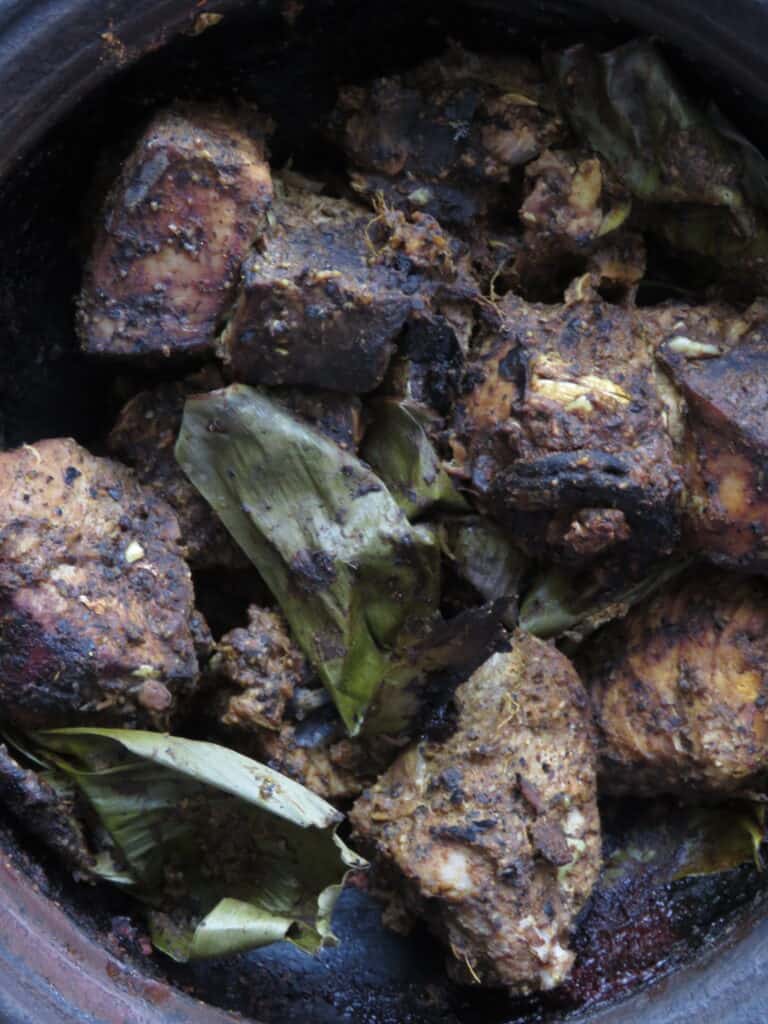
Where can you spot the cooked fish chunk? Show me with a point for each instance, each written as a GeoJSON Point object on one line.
{"type": "Point", "coordinates": [574, 216]}
{"type": "Point", "coordinates": [264, 667]}
{"type": "Point", "coordinates": [189, 202]}
{"type": "Point", "coordinates": [680, 688]}
{"type": "Point", "coordinates": [563, 431]}
{"type": "Point", "coordinates": [493, 837]}
{"type": "Point", "coordinates": [448, 136]}
{"type": "Point", "coordinates": [96, 602]}
{"type": "Point", "coordinates": [718, 361]}
{"type": "Point", "coordinates": [144, 437]}
{"type": "Point", "coordinates": [263, 687]}
{"type": "Point", "coordinates": [336, 769]}
{"type": "Point", "coordinates": [323, 301]}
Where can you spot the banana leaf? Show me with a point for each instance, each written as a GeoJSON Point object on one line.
{"type": "Point", "coordinates": [226, 853]}
{"type": "Point", "coordinates": [669, 842]}
{"type": "Point", "coordinates": [631, 109]}
{"type": "Point", "coordinates": [398, 449]}
{"type": "Point", "coordinates": [454, 647]}
{"type": "Point", "coordinates": [708, 232]}
{"type": "Point", "coordinates": [482, 554]}
{"type": "Point", "coordinates": [358, 583]}
{"type": "Point", "coordinates": [561, 604]}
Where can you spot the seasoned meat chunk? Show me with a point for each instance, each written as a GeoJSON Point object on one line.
{"type": "Point", "coordinates": [680, 688]}
{"type": "Point", "coordinates": [335, 768]}
{"type": "Point", "coordinates": [563, 431]}
{"type": "Point", "coordinates": [145, 434]}
{"type": "Point", "coordinates": [573, 217]}
{"type": "Point", "coordinates": [718, 360]}
{"type": "Point", "coordinates": [325, 297]}
{"type": "Point", "coordinates": [96, 602]}
{"type": "Point", "coordinates": [281, 718]}
{"type": "Point", "coordinates": [447, 137]}
{"type": "Point", "coordinates": [493, 837]}
{"type": "Point", "coordinates": [264, 666]}
{"type": "Point", "coordinates": [188, 204]}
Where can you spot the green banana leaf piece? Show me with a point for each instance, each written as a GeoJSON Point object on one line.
{"type": "Point", "coordinates": [708, 232]}
{"type": "Point", "coordinates": [356, 581]}
{"type": "Point", "coordinates": [398, 449]}
{"type": "Point", "coordinates": [561, 604]}
{"type": "Point", "coordinates": [630, 108]}
{"type": "Point", "coordinates": [670, 842]}
{"type": "Point", "coordinates": [482, 554]}
{"type": "Point", "coordinates": [227, 854]}
{"type": "Point", "coordinates": [458, 646]}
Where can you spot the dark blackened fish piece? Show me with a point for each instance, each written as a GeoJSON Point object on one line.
{"type": "Point", "coordinates": [96, 602]}
{"type": "Point", "coordinates": [188, 204]}
{"type": "Point", "coordinates": [329, 290]}
{"type": "Point", "coordinates": [448, 136]}
{"type": "Point", "coordinates": [563, 432]}
{"type": "Point", "coordinates": [493, 836]}
{"type": "Point", "coordinates": [144, 436]}
{"type": "Point", "coordinates": [718, 359]}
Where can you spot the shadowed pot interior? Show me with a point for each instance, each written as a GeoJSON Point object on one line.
{"type": "Point", "coordinates": [77, 80]}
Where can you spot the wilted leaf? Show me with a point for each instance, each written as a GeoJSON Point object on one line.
{"type": "Point", "coordinates": [559, 603]}
{"type": "Point", "coordinates": [708, 232]}
{"type": "Point", "coordinates": [482, 554]}
{"type": "Point", "coordinates": [721, 838]}
{"type": "Point", "coordinates": [227, 853]}
{"type": "Point", "coordinates": [629, 106]}
{"type": "Point", "coordinates": [457, 646]}
{"type": "Point", "coordinates": [354, 578]}
{"type": "Point", "coordinates": [398, 448]}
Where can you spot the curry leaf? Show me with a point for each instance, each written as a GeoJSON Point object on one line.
{"type": "Point", "coordinates": [227, 853]}
{"type": "Point", "coordinates": [356, 581]}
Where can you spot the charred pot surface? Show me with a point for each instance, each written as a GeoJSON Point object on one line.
{"type": "Point", "coordinates": [680, 689]}
{"type": "Point", "coordinates": [96, 602]}
{"type": "Point", "coordinates": [493, 836]}
{"type": "Point", "coordinates": [188, 204]}
{"type": "Point", "coordinates": [562, 432]}
{"type": "Point", "coordinates": [326, 294]}
{"type": "Point", "coordinates": [448, 136]}
{"type": "Point", "coordinates": [717, 358]}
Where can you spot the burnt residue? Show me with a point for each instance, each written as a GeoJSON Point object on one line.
{"type": "Point", "coordinates": [314, 570]}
